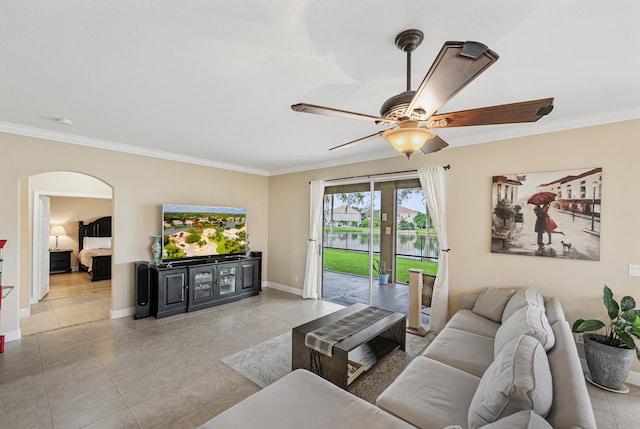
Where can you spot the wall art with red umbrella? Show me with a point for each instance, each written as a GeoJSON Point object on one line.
{"type": "Point", "coordinates": [554, 214]}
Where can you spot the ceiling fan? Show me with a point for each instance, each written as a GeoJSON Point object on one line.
{"type": "Point", "coordinates": [413, 114]}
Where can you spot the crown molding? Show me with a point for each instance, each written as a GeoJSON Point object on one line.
{"type": "Point", "coordinates": [40, 133]}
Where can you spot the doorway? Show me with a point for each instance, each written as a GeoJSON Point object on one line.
{"type": "Point", "coordinates": [373, 233]}
{"type": "Point", "coordinates": [351, 242]}
{"type": "Point", "coordinates": [59, 294]}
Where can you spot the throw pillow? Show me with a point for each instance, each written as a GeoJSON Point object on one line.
{"type": "Point", "coordinates": [491, 303]}
{"type": "Point", "coordinates": [520, 420]}
{"type": "Point", "coordinates": [522, 297]}
{"type": "Point", "coordinates": [529, 320]}
{"type": "Point", "coordinates": [518, 379]}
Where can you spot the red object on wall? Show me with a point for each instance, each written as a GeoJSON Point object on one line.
{"type": "Point", "coordinates": [2, 243]}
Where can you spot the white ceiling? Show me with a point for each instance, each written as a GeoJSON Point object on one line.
{"type": "Point", "coordinates": [212, 82]}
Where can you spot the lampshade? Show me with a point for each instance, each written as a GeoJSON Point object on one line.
{"type": "Point", "coordinates": [408, 137]}
{"type": "Point", "coordinates": [58, 230]}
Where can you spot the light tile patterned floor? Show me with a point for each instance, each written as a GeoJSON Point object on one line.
{"type": "Point", "coordinates": [166, 373]}
{"type": "Point", "coordinates": [59, 313]}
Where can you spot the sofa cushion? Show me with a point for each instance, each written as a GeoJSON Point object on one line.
{"type": "Point", "coordinates": [518, 379]}
{"type": "Point", "coordinates": [522, 297]}
{"type": "Point", "coordinates": [520, 420]}
{"type": "Point", "coordinates": [553, 309]}
{"type": "Point", "coordinates": [429, 395]}
{"type": "Point", "coordinates": [308, 401]}
{"type": "Point", "coordinates": [467, 351]}
{"type": "Point", "coordinates": [491, 303]}
{"type": "Point", "coordinates": [467, 320]}
{"type": "Point", "coordinates": [571, 404]}
{"type": "Point", "coordinates": [529, 320]}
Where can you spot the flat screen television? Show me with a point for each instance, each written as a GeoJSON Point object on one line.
{"type": "Point", "coordinates": [192, 232]}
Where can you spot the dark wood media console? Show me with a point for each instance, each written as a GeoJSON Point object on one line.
{"type": "Point", "coordinates": [184, 286]}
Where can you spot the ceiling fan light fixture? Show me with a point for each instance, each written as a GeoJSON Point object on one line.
{"type": "Point", "coordinates": [408, 137]}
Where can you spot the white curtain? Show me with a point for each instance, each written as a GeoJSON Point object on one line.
{"type": "Point", "coordinates": [311, 288]}
{"type": "Point", "coordinates": [432, 182]}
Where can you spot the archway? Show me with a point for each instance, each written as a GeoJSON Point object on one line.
{"type": "Point", "coordinates": [74, 197]}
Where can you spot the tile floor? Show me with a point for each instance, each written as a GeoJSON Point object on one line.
{"type": "Point", "coordinates": [349, 289]}
{"type": "Point", "coordinates": [62, 312]}
{"type": "Point", "coordinates": [168, 373]}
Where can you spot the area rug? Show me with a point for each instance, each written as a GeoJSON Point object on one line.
{"type": "Point", "coordinates": [269, 361]}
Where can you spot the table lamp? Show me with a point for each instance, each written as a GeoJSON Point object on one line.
{"type": "Point", "coordinates": [57, 231]}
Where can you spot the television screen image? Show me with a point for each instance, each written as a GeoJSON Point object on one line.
{"type": "Point", "coordinates": [191, 231]}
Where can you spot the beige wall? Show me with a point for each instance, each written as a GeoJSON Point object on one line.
{"type": "Point", "coordinates": [578, 284]}
{"type": "Point", "coordinates": [140, 186]}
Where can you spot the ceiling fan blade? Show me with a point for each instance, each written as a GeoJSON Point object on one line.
{"type": "Point", "coordinates": [526, 111]}
{"type": "Point", "coordinates": [434, 145]}
{"type": "Point", "coordinates": [328, 111]}
{"type": "Point", "coordinates": [360, 140]}
{"type": "Point", "coordinates": [457, 64]}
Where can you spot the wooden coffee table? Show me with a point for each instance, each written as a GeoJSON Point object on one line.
{"type": "Point", "coordinates": [366, 347]}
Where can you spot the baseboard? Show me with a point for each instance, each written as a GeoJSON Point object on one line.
{"type": "Point", "coordinates": [125, 312]}
{"type": "Point", "coordinates": [283, 288]}
{"type": "Point", "coordinates": [633, 378]}
{"type": "Point", "coordinates": [24, 312]}
{"type": "Point", "coordinates": [14, 335]}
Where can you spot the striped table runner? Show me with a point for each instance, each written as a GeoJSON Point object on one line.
{"type": "Point", "coordinates": [323, 339]}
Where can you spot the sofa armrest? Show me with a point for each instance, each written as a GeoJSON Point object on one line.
{"type": "Point", "coordinates": [468, 300]}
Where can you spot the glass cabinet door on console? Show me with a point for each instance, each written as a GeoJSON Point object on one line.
{"type": "Point", "coordinates": [201, 290]}
{"type": "Point", "coordinates": [226, 282]}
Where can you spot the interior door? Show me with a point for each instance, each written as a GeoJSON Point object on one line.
{"type": "Point", "coordinates": [43, 246]}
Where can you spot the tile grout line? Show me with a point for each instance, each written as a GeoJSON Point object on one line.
{"type": "Point", "coordinates": [44, 381]}
{"type": "Point", "coordinates": [114, 385]}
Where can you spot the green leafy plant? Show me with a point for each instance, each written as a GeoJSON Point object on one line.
{"type": "Point", "coordinates": [380, 267]}
{"type": "Point", "coordinates": [624, 323]}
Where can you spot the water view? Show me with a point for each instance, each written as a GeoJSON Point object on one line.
{"type": "Point", "coordinates": [408, 243]}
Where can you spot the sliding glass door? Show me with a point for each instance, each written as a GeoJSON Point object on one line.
{"type": "Point", "coordinates": [373, 233]}
{"type": "Point", "coordinates": [351, 236]}
{"type": "Point", "coordinates": [416, 239]}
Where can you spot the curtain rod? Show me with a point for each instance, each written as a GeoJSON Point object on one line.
{"type": "Point", "coordinates": [368, 176]}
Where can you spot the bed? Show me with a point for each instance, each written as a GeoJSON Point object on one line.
{"type": "Point", "coordinates": [94, 248]}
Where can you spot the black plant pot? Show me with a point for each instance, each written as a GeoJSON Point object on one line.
{"type": "Point", "coordinates": [609, 366]}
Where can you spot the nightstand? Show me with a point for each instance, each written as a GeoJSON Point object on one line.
{"type": "Point", "coordinates": [59, 261]}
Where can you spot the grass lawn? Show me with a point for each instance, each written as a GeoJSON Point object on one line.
{"type": "Point", "coordinates": [345, 261]}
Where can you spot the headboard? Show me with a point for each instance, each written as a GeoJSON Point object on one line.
{"type": "Point", "coordinates": [98, 228]}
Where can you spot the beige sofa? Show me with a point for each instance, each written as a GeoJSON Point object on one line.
{"type": "Point", "coordinates": [506, 359]}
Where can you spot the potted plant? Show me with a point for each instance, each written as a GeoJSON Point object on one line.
{"type": "Point", "coordinates": [610, 356]}
{"type": "Point", "coordinates": [380, 267]}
